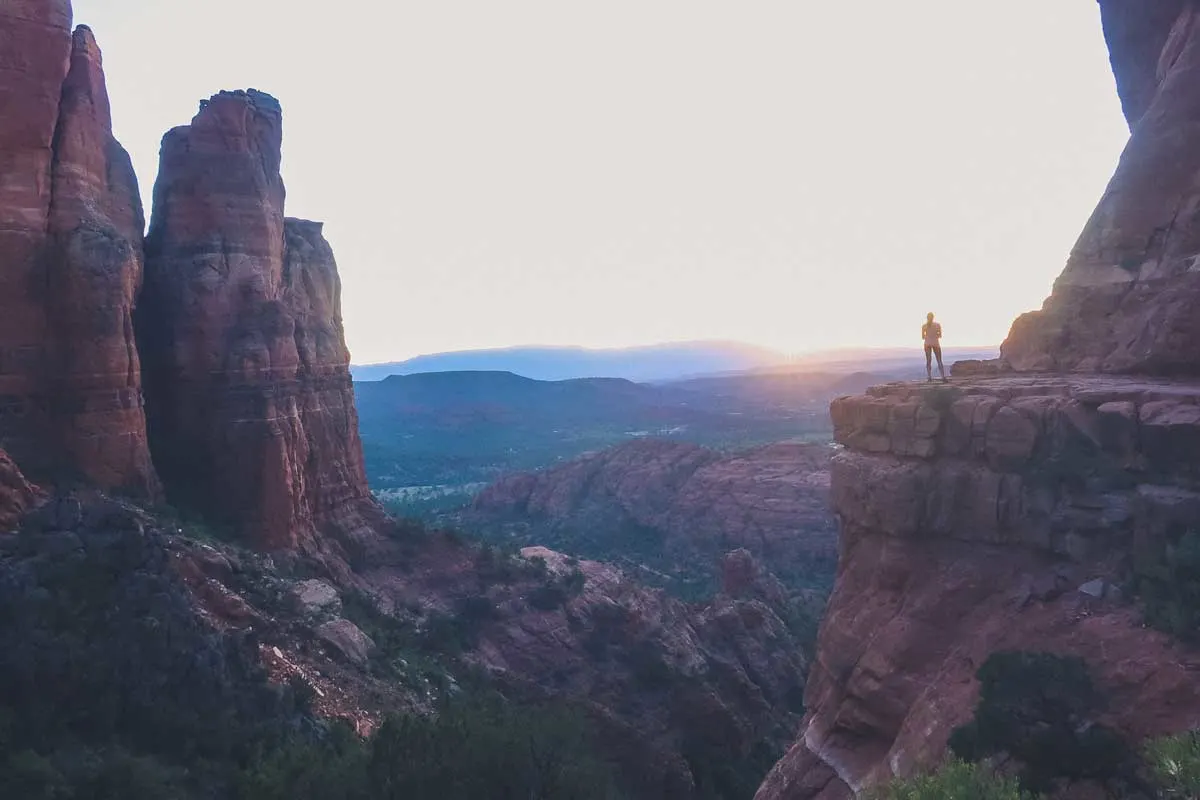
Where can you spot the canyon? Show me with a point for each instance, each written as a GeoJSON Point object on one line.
{"type": "Point", "coordinates": [672, 508]}
{"type": "Point", "coordinates": [183, 498]}
{"type": "Point", "coordinates": [1014, 509]}
{"type": "Point", "coordinates": [184, 505]}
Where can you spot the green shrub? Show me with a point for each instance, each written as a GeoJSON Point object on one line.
{"type": "Point", "coordinates": [1175, 764]}
{"type": "Point", "coordinates": [1169, 587]}
{"type": "Point", "coordinates": [954, 780]}
{"type": "Point", "coordinates": [1038, 708]}
{"type": "Point", "coordinates": [487, 747]}
{"type": "Point", "coordinates": [548, 597]}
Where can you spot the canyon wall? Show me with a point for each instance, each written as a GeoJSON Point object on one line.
{"type": "Point", "coordinates": [1000, 514]}
{"type": "Point", "coordinates": [71, 256]}
{"type": "Point", "coordinates": [251, 411]}
{"type": "Point", "coordinates": [662, 506]}
{"type": "Point", "coordinates": [1126, 301]}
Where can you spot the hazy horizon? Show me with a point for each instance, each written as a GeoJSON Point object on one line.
{"type": "Point", "coordinates": [786, 354]}
{"type": "Point", "coordinates": [497, 175]}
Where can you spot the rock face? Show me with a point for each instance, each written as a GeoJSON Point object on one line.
{"type": "Point", "coordinates": [1128, 298]}
{"type": "Point", "coordinates": [771, 500]}
{"type": "Point", "coordinates": [251, 412]}
{"type": "Point", "coordinates": [979, 518]}
{"type": "Point", "coordinates": [71, 244]}
{"type": "Point", "coordinates": [17, 495]}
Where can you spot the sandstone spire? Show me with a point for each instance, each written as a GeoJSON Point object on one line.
{"type": "Point", "coordinates": [71, 253]}
{"type": "Point", "coordinates": [250, 403]}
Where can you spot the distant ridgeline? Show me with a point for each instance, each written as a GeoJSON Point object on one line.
{"type": "Point", "coordinates": [430, 440]}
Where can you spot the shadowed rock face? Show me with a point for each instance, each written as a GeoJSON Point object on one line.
{"type": "Point", "coordinates": [1129, 298]}
{"type": "Point", "coordinates": [978, 518]}
{"type": "Point", "coordinates": [17, 495]}
{"type": "Point", "coordinates": [251, 412]}
{"type": "Point", "coordinates": [71, 254]}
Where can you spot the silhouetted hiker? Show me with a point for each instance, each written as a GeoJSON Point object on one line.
{"type": "Point", "coordinates": [931, 332]}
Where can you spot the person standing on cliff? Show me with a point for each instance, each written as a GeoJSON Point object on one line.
{"type": "Point", "coordinates": [931, 333]}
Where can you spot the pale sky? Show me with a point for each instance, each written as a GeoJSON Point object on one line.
{"type": "Point", "coordinates": [795, 174]}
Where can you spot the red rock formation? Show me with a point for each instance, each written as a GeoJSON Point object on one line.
{"type": "Point", "coordinates": [771, 500]}
{"type": "Point", "coordinates": [71, 238]}
{"type": "Point", "coordinates": [972, 518]}
{"type": "Point", "coordinates": [17, 495]}
{"type": "Point", "coordinates": [250, 404]}
{"type": "Point", "coordinates": [1127, 300]}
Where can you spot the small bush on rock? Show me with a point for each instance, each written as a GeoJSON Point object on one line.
{"type": "Point", "coordinates": [955, 780]}
{"type": "Point", "coordinates": [1169, 587]}
{"type": "Point", "coordinates": [1175, 764]}
{"type": "Point", "coordinates": [1038, 708]}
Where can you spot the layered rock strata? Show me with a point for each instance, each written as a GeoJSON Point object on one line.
{"type": "Point", "coordinates": [772, 500]}
{"type": "Point", "coordinates": [71, 254]}
{"type": "Point", "coordinates": [1126, 302]}
{"type": "Point", "coordinates": [992, 515]}
{"type": "Point", "coordinates": [251, 411]}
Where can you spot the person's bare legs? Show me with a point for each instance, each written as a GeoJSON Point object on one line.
{"type": "Point", "coordinates": [937, 351]}
{"type": "Point", "coordinates": [929, 361]}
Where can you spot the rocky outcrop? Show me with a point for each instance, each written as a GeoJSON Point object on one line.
{"type": "Point", "coordinates": [17, 495]}
{"type": "Point", "coordinates": [690, 700]}
{"type": "Point", "coordinates": [992, 515]}
{"type": "Point", "coordinates": [771, 500]}
{"type": "Point", "coordinates": [71, 243]}
{"type": "Point", "coordinates": [1127, 300]}
{"type": "Point", "coordinates": [251, 411]}
{"type": "Point", "coordinates": [103, 643]}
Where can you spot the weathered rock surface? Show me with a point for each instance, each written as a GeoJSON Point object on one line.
{"type": "Point", "coordinates": [771, 500]}
{"type": "Point", "coordinates": [315, 596]}
{"type": "Point", "coordinates": [682, 695]}
{"type": "Point", "coordinates": [251, 411]}
{"type": "Point", "coordinates": [347, 639]}
{"type": "Point", "coordinates": [17, 495]}
{"type": "Point", "coordinates": [71, 244]}
{"type": "Point", "coordinates": [971, 516]}
{"type": "Point", "coordinates": [1128, 298]}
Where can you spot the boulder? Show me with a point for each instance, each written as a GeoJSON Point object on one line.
{"type": "Point", "coordinates": [346, 639]}
{"type": "Point", "coordinates": [314, 597]}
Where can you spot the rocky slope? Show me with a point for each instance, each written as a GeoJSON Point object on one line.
{"type": "Point", "coordinates": [1126, 300]}
{"type": "Point", "coordinates": [675, 503]}
{"type": "Point", "coordinates": [71, 242]}
{"type": "Point", "coordinates": [251, 411]}
{"type": "Point", "coordinates": [690, 700]}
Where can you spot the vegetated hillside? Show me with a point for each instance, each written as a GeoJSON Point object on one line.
{"type": "Point", "coordinates": [658, 362]}
{"type": "Point", "coordinates": [668, 510]}
{"type": "Point", "coordinates": [456, 429]}
{"type": "Point", "coordinates": [143, 658]}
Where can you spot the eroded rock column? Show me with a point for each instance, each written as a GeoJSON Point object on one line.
{"type": "Point", "coordinates": [251, 410]}
{"type": "Point", "coordinates": [70, 260]}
